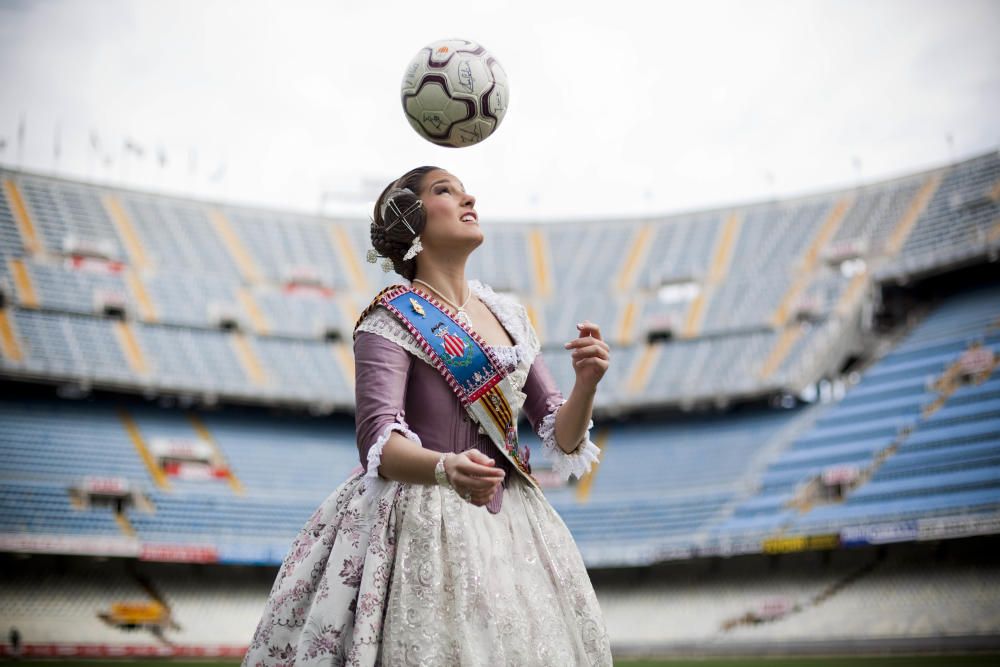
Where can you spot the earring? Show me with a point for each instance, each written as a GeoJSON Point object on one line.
{"type": "Point", "coordinates": [415, 247]}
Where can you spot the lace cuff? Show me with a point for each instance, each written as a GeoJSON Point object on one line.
{"type": "Point", "coordinates": [579, 461]}
{"type": "Point", "coordinates": [375, 453]}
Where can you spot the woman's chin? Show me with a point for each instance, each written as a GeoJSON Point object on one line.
{"type": "Point", "coordinates": [472, 233]}
{"type": "Point", "coordinates": [479, 237]}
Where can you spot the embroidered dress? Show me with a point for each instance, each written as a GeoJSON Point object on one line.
{"type": "Point", "coordinates": [391, 573]}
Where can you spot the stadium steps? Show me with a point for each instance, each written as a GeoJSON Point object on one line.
{"type": "Point", "coordinates": [627, 323]}
{"type": "Point", "coordinates": [635, 258]}
{"type": "Point", "coordinates": [919, 204]}
{"type": "Point", "coordinates": [138, 257]}
{"type": "Point", "coordinates": [124, 524]}
{"type": "Point", "coordinates": [220, 457]}
{"type": "Point", "coordinates": [718, 269]}
{"type": "Point", "coordinates": [344, 355]}
{"type": "Point", "coordinates": [835, 587]}
{"type": "Point", "coordinates": [839, 585]}
{"type": "Point", "coordinates": [249, 361]}
{"type": "Point", "coordinates": [125, 335]}
{"type": "Point", "coordinates": [348, 258]}
{"type": "Point", "coordinates": [147, 310]}
{"type": "Point", "coordinates": [253, 311]}
{"type": "Point", "coordinates": [787, 339]}
{"type": "Point", "coordinates": [538, 250]}
{"type": "Point", "coordinates": [237, 251]}
{"type": "Point", "coordinates": [26, 294]}
{"type": "Point", "coordinates": [994, 233]}
{"type": "Point", "coordinates": [642, 368]}
{"type": "Point", "coordinates": [852, 295]}
{"type": "Point", "coordinates": [807, 264]}
{"type": "Point", "coordinates": [135, 436]}
{"type": "Point", "coordinates": [25, 226]}
{"type": "Point", "coordinates": [9, 346]}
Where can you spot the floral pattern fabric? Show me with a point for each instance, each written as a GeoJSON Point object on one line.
{"type": "Point", "coordinates": [390, 573]}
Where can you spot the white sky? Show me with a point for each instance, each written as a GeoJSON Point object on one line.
{"type": "Point", "coordinates": [616, 108]}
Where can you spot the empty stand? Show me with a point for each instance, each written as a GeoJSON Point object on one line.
{"type": "Point", "coordinates": [883, 415]}
{"type": "Point", "coordinates": [749, 273]}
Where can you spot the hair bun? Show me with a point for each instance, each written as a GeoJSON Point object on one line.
{"type": "Point", "coordinates": [399, 217]}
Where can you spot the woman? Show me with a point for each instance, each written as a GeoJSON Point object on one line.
{"type": "Point", "coordinates": [440, 549]}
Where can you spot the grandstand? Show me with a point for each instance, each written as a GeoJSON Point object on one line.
{"type": "Point", "coordinates": [800, 428]}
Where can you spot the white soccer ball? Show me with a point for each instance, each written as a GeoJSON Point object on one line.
{"type": "Point", "coordinates": [454, 93]}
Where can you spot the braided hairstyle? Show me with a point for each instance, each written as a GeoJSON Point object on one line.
{"type": "Point", "coordinates": [393, 243]}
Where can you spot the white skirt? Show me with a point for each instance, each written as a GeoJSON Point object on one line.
{"type": "Point", "coordinates": [389, 573]}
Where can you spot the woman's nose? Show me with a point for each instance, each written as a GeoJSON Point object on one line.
{"type": "Point", "coordinates": [469, 199]}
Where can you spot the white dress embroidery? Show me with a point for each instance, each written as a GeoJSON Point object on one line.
{"type": "Point", "coordinates": [387, 573]}
{"type": "Point", "coordinates": [509, 356]}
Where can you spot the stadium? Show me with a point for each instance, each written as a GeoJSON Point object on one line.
{"type": "Point", "coordinates": [800, 436]}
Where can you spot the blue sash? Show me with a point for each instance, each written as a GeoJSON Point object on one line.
{"type": "Point", "coordinates": [466, 363]}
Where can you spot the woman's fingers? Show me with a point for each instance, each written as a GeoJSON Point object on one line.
{"type": "Point", "coordinates": [589, 327]}
{"type": "Point", "coordinates": [476, 474]}
{"type": "Point", "coordinates": [492, 477]}
{"type": "Point", "coordinates": [475, 482]}
{"type": "Point", "coordinates": [473, 469]}
{"type": "Point", "coordinates": [477, 456]}
{"type": "Point", "coordinates": [487, 466]}
{"type": "Point", "coordinates": [591, 351]}
{"type": "Point", "coordinates": [586, 341]}
{"type": "Point", "coordinates": [479, 496]}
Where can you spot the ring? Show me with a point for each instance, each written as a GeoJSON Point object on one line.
{"type": "Point", "coordinates": [468, 496]}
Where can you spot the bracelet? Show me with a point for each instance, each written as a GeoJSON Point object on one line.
{"type": "Point", "coordinates": [439, 473]}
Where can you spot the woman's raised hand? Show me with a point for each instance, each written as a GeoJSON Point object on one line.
{"type": "Point", "coordinates": [473, 472]}
{"type": "Point", "coordinates": [591, 355]}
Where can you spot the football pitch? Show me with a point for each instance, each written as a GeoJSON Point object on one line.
{"type": "Point", "coordinates": [825, 661]}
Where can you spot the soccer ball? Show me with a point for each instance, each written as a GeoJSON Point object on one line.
{"type": "Point", "coordinates": [454, 93]}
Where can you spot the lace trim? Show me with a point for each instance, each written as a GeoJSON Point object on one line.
{"type": "Point", "coordinates": [382, 323]}
{"type": "Point", "coordinates": [512, 315]}
{"type": "Point", "coordinates": [579, 461]}
{"type": "Point", "coordinates": [375, 453]}
{"type": "Point", "coordinates": [509, 356]}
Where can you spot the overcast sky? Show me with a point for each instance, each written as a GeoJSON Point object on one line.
{"type": "Point", "coordinates": [616, 107]}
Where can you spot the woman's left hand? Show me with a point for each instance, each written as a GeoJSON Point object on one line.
{"type": "Point", "coordinates": [590, 355]}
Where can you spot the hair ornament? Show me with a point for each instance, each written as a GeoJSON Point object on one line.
{"type": "Point", "coordinates": [390, 206]}
{"type": "Point", "coordinates": [415, 247]}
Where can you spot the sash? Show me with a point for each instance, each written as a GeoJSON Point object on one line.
{"type": "Point", "coordinates": [466, 363]}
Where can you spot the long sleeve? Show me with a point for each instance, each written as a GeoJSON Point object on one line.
{"type": "Point", "coordinates": [541, 405]}
{"type": "Point", "coordinates": [381, 370]}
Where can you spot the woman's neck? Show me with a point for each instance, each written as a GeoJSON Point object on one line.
{"type": "Point", "coordinates": [448, 279]}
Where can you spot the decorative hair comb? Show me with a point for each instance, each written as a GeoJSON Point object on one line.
{"type": "Point", "coordinates": [390, 206]}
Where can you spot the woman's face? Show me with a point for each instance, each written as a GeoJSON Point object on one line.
{"type": "Point", "coordinates": [451, 216]}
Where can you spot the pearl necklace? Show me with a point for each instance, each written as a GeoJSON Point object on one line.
{"type": "Point", "coordinates": [460, 316]}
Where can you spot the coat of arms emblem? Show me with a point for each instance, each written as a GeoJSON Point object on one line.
{"type": "Point", "coordinates": [455, 347]}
